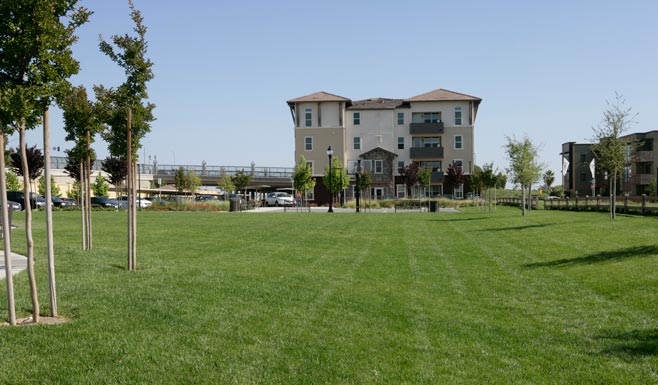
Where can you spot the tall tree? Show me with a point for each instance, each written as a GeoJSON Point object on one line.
{"type": "Point", "coordinates": [100, 186]}
{"type": "Point", "coordinates": [35, 64]}
{"type": "Point", "coordinates": [124, 111]}
{"type": "Point", "coordinates": [41, 187]}
{"type": "Point", "coordinates": [524, 167]}
{"type": "Point", "coordinates": [608, 148]}
{"type": "Point", "coordinates": [549, 178]}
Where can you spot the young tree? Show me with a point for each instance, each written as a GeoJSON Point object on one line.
{"type": "Point", "coordinates": [125, 104]}
{"type": "Point", "coordinates": [302, 177]}
{"type": "Point", "coordinates": [454, 177]}
{"type": "Point", "coordinates": [609, 148]}
{"type": "Point", "coordinates": [100, 186]}
{"type": "Point", "coordinates": [338, 179]}
{"type": "Point", "coordinates": [35, 162]}
{"type": "Point", "coordinates": [81, 125]}
{"type": "Point", "coordinates": [424, 178]}
{"type": "Point", "coordinates": [525, 168]}
{"type": "Point", "coordinates": [116, 168]}
{"type": "Point", "coordinates": [225, 182]}
{"type": "Point", "coordinates": [13, 184]}
{"type": "Point", "coordinates": [409, 174]}
{"type": "Point", "coordinates": [240, 180]}
{"type": "Point", "coordinates": [36, 61]}
{"type": "Point", "coordinates": [41, 188]}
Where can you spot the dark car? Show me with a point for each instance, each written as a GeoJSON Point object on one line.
{"type": "Point", "coordinates": [63, 202]}
{"type": "Point", "coordinates": [104, 202]}
{"type": "Point", "coordinates": [19, 196]}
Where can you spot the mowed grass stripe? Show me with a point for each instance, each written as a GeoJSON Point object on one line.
{"type": "Point", "coordinates": [415, 298]}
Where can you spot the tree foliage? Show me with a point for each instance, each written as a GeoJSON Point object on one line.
{"type": "Point", "coordinates": [409, 175]}
{"type": "Point", "coordinates": [454, 176]}
{"type": "Point", "coordinates": [524, 167]}
{"type": "Point", "coordinates": [35, 162]}
{"type": "Point", "coordinates": [225, 182]}
{"type": "Point", "coordinates": [549, 178]}
{"type": "Point", "coordinates": [13, 184]}
{"type": "Point", "coordinates": [302, 177]}
{"type": "Point", "coordinates": [41, 186]}
{"type": "Point", "coordinates": [608, 147]}
{"type": "Point", "coordinates": [338, 178]}
{"type": "Point", "coordinates": [240, 180]}
{"type": "Point", "coordinates": [116, 168]}
{"type": "Point", "coordinates": [100, 186]}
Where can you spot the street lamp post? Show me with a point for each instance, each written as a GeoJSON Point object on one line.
{"type": "Point", "coordinates": [330, 153]}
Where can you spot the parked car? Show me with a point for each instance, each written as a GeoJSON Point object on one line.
{"type": "Point", "coordinates": [279, 198]}
{"type": "Point", "coordinates": [69, 202]}
{"type": "Point", "coordinates": [19, 197]}
{"type": "Point", "coordinates": [104, 202]}
{"type": "Point", "coordinates": [15, 206]}
{"type": "Point", "coordinates": [143, 203]}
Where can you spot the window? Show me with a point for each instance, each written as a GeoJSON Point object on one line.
{"type": "Point", "coordinates": [426, 117]}
{"type": "Point", "coordinates": [366, 165]}
{"type": "Point", "coordinates": [308, 143]}
{"type": "Point", "coordinates": [357, 118]}
{"type": "Point", "coordinates": [400, 142]}
{"type": "Point", "coordinates": [308, 115]}
{"type": "Point", "coordinates": [357, 143]}
{"type": "Point", "coordinates": [400, 165]}
{"type": "Point", "coordinates": [583, 158]}
{"type": "Point", "coordinates": [458, 142]}
{"type": "Point", "coordinates": [379, 166]}
{"type": "Point", "coordinates": [400, 118]}
{"type": "Point", "coordinates": [309, 165]}
{"type": "Point", "coordinates": [434, 165]}
{"type": "Point", "coordinates": [401, 190]}
{"type": "Point", "coordinates": [458, 116]}
{"type": "Point", "coordinates": [426, 141]}
{"type": "Point", "coordinates": [458, 163]}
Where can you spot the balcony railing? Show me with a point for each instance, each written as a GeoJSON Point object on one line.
{"type": "Point", "coordinates": [426, 152]}
{"type": "Point", "coordinates": [426, 128]}
{"type": "Point", "coordinates": [436, 177]}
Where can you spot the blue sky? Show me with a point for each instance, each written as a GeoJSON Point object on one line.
{"type": "Point", "coordinates": [224, 70]}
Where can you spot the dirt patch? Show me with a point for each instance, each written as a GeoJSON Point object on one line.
{"type": "Point", "coordinates": [42, 321]}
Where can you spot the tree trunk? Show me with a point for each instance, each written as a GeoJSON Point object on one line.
{"type": "Point", "coordinates": [88, 193]}
{"type": "Point", "coordinates": [522, 200]}
{"type": "Point", "coordinates": [82, 192]}
{"type": "Point", "coordinates": [28, 226]}
{"type": "Point", "coordinates": [49, 214]}
{"type": "Point", "coordinates": [6, 234]}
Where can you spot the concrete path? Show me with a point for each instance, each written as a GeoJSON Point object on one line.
{"type": "Point", "coordinates": [18, 264]}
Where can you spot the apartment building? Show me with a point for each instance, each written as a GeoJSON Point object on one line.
{"type": "Point", "coordinates": [641, 166]}
{"type": "Point", "coordinates": [435, 129]}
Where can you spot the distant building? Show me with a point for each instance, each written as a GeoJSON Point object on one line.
{"type": "Point", "coordinates": [641, 166]}
{"type": "Point", "coordinates": [435, 129]}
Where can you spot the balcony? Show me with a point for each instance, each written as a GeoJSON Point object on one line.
{"type": "Point", "coordinates": [643, 156]}
{"type": "Point", "coordinates": [426, 152]}
{"type": "Point", "coordinates": [436, 177]}
{"type": "Point", "coordinates": [426, 128]}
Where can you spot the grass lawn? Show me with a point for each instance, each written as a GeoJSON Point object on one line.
{"type": "Point", "coordinates": [307, 298]}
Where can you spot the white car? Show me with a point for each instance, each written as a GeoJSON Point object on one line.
{"type": "Point", "coordinates": [123, 202]}
{"type": "Point", "coordinates": [279, 199]}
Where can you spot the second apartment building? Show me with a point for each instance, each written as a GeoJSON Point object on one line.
{"type": "Point", "coordinates": [435, 129]}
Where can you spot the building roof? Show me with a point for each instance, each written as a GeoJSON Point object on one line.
{"type": "Point", "coordinates": [376, 104]}
{"type": "Point", "coordinates": [442, 95]}
{"type": "Point", "coordinates": [377, 149]}
{"type": "Point", "coordinates": [319, 97]}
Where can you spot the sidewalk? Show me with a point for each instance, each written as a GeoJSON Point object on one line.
{"type": "Point", "coordinates": [18, 264]}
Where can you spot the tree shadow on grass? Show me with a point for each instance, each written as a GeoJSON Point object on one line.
{"type": "Point", "coordinates": [516, 228]}
{"type": "Point", "coordinates": [604, 256]}
{"type": "Point", "coordinates": [636, 343]}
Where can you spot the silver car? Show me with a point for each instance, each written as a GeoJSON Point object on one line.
{"type": "Point", "coordinates": [279, 198]}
